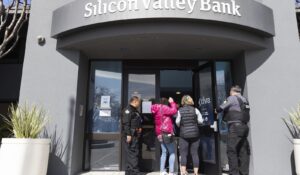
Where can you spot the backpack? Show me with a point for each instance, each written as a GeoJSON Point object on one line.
{"type": "Point", "coordinates": [245, 109]}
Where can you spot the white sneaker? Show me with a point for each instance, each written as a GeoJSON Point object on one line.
{"type": "Point", "coordinates": [163, 173]}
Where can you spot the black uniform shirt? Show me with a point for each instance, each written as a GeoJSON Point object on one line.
{"type": "Point", "coordinates": [131, 120]}
{"type": "Point", "coordinates": [231, 104]}
{"type": "Point", "coordinates": [232, 108]}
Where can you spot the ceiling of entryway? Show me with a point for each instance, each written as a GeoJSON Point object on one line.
{"type": "Point", "coordinates": [163, 39]}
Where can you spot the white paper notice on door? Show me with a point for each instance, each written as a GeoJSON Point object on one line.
{"type": "Point", "coordinates": [105, 113]}
{"type": "Point", "coordinates": [105, 102]}
{"type": "Point", "coordinates": [146, 107]}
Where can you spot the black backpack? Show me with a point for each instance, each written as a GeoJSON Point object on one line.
{"type": "Point", "coordinates": [245, 109]}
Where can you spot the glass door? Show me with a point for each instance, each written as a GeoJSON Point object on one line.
{"type": "Point", "coordinates": [223, 85]}
{"type": "Point", "coordinates": [144, 84]}
{"type": "Point", "coordinates": [204, 88]}
{"type": "Point", "coordinates": [103, 132]}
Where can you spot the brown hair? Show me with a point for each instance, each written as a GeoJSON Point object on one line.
{"type": "Point", "coordinates": [164, 101]}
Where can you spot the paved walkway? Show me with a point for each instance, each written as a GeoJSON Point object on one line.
{"type": "Point", "coordinates": [117, 173]}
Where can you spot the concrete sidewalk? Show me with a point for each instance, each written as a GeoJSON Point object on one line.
{"type": "Point", "coordinates": [121, 173]}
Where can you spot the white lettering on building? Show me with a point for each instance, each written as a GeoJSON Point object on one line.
{"type": "Point", "coordinates": [113, 6]}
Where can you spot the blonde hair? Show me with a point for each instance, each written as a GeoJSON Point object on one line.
{"type": "Point", "coordinates": [187, 100]}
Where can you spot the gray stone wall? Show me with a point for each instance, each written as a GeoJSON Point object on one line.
{"type": "Point", "coordinates": [273, 86]}
{"type": "Point", "coordinates": [50, 79]}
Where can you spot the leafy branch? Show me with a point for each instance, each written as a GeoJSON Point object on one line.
{"type": "Point", "coordinates": [12, 19]}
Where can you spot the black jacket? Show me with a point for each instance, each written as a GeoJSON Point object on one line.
{"type": "Point", "coordinates": [188, 124]}
{"type": "Point", "coordinates": [132, 120]}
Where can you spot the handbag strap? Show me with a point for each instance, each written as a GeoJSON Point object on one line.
{"type": "Point", "coordinates": [241, 102]}
{"type": "Point", "coordinates": [161, 113]}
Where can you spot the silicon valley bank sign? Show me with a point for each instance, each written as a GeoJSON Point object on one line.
{"type": "Point", "coordinates": [230, 7]}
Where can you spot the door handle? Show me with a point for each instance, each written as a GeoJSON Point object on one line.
{"type": "Point", "coordinates": [214, 126]}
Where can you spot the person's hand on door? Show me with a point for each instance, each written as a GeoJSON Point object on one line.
{"type": "Point", "coordinates": [128, 139]}
{"type": "Point", "coordinates": [216, 112]}
{"type": "Point", "coordinates": [159, 137]}
{"type": "Point", "coordinates": [171, 100]}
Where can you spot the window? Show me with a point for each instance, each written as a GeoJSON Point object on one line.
{"type": "Point", "coordinates": [103, 144]}
{"type": "Point", "coordinates": [105, 96]}
{"type": "Point", "coordinates": [297, 3]}
{"type": "Point", "coordinates": [223, 85]}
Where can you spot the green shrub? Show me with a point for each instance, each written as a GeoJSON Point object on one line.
{"type": "Point", "coordinates": [26, 121]}
{"type": "Point", "coordinates": [293, 122]}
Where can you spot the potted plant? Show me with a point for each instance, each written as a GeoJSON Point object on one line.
{"type": "Point", "coordinates": [293, 124]}
{"type": "Point", "coordinates": [25, 153]}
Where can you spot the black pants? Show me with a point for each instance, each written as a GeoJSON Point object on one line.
{"type": "Point", "coordinates": [238, 149]}
{"type": "Point", "coordinates": [132, 157]}
{"type": "Point", "coordinates": [184, 145]}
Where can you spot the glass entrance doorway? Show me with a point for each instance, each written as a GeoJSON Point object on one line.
{"type": "Point", "coordinates": [204, 83]}
{"type": "Point", "coordinates": [112, 83]}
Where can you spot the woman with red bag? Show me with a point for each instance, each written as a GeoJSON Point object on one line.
{"type": "Point", "coordinates": [163, 113]}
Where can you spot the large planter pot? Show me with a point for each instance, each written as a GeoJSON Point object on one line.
{"type": "Point", "coordinates": [24, 156]}
{"type": "Point", "coordinates": [297, 155]}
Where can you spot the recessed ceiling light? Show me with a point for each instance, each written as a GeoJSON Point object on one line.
{"type": "Point", "coordinates": [178, 93]}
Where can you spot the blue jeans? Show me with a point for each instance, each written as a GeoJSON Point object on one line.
{"type": "Point", "coordinates": [167, 148]}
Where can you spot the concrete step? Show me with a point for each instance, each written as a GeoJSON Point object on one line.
{"type": "Point", "coordinates": [119, 173]}
{"type": "Point", "coordinates": [103, 173]}
{"type": "Point", "coordinates": [113, 173]}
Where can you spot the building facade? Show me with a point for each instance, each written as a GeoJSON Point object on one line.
{"type": "Point", "coordinates": [97, 54]}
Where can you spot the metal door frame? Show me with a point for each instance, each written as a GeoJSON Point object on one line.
{"type": "Point", "coordinates": [196, 87]}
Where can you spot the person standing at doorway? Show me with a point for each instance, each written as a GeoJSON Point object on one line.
{"type": "Point", "coordinates": [132, 130]}
{"type": "Point", "coordinates": [163, 113]}
{"type": "Point", "coordinates": [188, 118]}
{"type": "Point", "coordinates": [236, 109]}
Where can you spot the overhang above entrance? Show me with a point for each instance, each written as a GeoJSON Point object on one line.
{"type": "Point", "coordinates": [160, 39]}
{"type": "Point", "coordinates": [81, 15]}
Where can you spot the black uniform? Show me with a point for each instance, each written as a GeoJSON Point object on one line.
{"type": "Point", "coordinates": [132, 124]}
{"type": "Point", "coordinates": [238, 149]}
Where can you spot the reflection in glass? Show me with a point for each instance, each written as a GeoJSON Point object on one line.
{"type": "Point", "coordinates": [176, 83]}
{"type": "Point", "coordinates": [105, 92]}
{"type": "Point", "coordinates": [206, 108]}
{"type": "Point", "coordinates": [205, 100]}
{"type": "Point", "coordinates": [224, 82]}
{"type": "Point", "coordinates": [148, 150]}
{"type": "Point", "coordinates": [141, 85]}
{"type": "Point", "coordinates": [104, 113]}
{"type": "Point", "coordinates": [297, 3]}
{"type": "Point", "coordinates": [105, 155]}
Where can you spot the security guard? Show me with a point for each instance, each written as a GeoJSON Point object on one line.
{"type": "Point", "coordinates": [132, 129]}
{"type": "Point", "coordinates": [238, 150]}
